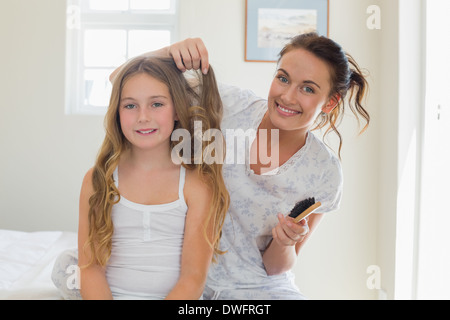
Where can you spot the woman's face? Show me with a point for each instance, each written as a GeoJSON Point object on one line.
{"type": "Point", "coordinates": [299, 91]}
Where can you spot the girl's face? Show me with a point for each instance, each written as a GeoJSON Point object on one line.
{"type": "Point", "coordinates": [147, 113]}
{"type": "Point", "coordinates": [299, 91]}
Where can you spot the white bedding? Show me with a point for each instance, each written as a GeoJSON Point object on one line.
{"type": "Point", "coordinates": [26, 262]}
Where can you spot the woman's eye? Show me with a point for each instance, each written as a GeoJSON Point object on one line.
{"type": "Point", "coordinates": [283, 79]}
{"type": "Point", "coordinates": [130, 106]}
{"type": "Point", "coordinates": [157, 105]}
{"type": "Point", "coordinates": [308, 90]}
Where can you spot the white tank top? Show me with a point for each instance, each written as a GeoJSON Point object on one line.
{"type": "Point", "coordinates": [146, 246]}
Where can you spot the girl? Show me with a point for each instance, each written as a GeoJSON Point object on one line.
{"type": "Point", "coordinates": [148, 228]}
{"type": "Point", "coordinates": [309, 92]}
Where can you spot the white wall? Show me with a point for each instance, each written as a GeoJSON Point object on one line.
{"type": "Point", "coordinates": [46, 153]}
{"type": "Point", "coordinates": [388, 157]}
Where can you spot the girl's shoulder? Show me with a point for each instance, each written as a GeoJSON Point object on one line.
{"type": "Point", "coordinates": [87, 188]}
{"type": "Point", "coordinates": [87, 180]}
{"type": "Point", "coordinates": [195, 181]}
{"type": "Point", "coordinates": [196, 188]}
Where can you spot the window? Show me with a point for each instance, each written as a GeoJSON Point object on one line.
{"type": "Point", "coordinates": [103, 34]}
{"type": "Point", "coordinates": [422, 256]}
{"type": "Point", "coordinates": [433, 278]}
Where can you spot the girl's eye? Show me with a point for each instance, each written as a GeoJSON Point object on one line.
{"type": "Point", "coordinates": [130, 106]}
{"type": "Point", "coordinates": [157, 105]}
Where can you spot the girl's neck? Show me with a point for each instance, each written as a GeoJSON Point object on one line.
{"type": "Point", "coordinates": [147, 160]}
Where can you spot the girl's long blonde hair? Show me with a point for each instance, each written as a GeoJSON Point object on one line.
{"type": "Point", "coordinates": [199, 103]}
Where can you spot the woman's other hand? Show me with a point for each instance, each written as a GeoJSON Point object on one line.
{"type": "Point", "coordinates": [288, 233]}
{"type": "Point", "coordinates": [190, 54]}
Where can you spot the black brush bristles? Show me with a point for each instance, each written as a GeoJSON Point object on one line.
{"type": "Point", "coordinates": [301, 206]}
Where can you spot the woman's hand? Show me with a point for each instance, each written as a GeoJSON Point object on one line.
{"type": "Point", "coordinates": [288, 239]}
{"type": "Point", "coordinates": [190, 54]}
{"type": "Point", "coordinates": [288, 233]}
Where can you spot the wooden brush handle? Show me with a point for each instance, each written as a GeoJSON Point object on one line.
{"type": "Point", "coordinates": [307, 212]}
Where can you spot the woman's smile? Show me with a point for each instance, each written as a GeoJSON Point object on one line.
{"type": "Point", "coordinates": [287, 112]}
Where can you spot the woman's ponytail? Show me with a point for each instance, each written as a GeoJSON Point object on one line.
{"type": "Point", "coordinates": [358, 89]}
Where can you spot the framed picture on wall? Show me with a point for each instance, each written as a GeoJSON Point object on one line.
{"type": "Point", "coordinates": [271, 23]}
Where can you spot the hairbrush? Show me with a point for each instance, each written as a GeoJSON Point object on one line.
{"type": "Point", "coordinates": [303, 209]}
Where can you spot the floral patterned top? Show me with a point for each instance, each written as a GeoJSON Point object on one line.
{"type": "Point", "coordinates": [314, 171]}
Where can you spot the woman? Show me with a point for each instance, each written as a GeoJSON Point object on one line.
{"type": "Point", "coordinates": [314, 76]}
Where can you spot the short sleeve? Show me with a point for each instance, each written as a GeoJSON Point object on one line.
{"type": "Point", "coordinates": [235, 99]}
{"type": "Point", "coordinates": [330, 192]}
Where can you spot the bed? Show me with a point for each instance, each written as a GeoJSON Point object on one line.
{"type": "Point", "coordinates": [26, 263]}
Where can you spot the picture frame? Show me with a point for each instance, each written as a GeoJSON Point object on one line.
{"type": "Point", "coordinates": [271, 23]}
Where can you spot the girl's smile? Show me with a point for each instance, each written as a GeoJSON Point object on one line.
{"type": "Point", "coordinates": [146, 132]}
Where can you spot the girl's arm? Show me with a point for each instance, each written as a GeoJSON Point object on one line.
{"type": "Point", "coordinates": [197, 253]}
{"type": "Point", "coordinates": [93, 280]}
{"type": "Point", "coordinates": [281, 254]}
